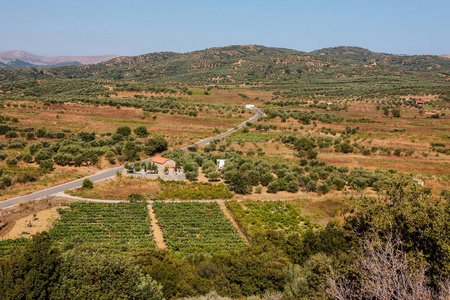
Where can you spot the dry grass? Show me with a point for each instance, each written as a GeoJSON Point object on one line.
{"type": "Point", "coordinates": [10, 216]}
{"type": "Point", "coordinates": [119, 187]}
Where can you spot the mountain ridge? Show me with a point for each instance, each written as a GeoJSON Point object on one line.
{"type": "Point", "coordinates": [16, 58]}
{"type": "Point", "coordinates": [244, 63]}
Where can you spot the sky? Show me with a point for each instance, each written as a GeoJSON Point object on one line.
{"type": "Point", "coordinates": [134, 27]}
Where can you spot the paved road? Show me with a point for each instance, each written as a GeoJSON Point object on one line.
{"type": "Point", "coordinates": [208, 140]}
{"type": "Point", "coordinates": [106, 173]}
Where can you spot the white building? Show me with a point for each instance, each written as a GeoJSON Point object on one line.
{"type": "Point", "coordinates": [251, 106]}
{"type": "Point", "coordinates": [221, 163]}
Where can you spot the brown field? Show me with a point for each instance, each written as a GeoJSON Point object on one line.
{"type": "Point", "coordinates": [414, 132]}
{"type": "Point", "coordinates": [107, 119]}
{"type": "Point", "coordinates": [119, 187]}
{"type": "Point", "coordinates": [18, 217]}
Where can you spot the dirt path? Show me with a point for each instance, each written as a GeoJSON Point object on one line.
{"type": "Point", "coordinates": [232, 220]}
{"type": "Point", "coordinates": [43, 221]}
{"type": "Point", "coordinates": [157, 232]}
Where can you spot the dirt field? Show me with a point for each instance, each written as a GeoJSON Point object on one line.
{"type": "Point", "coordinates": [157, 232]}
{"type": "Point", "coordinates": [27, 226]}
{"type": "Point", "coordinates": [23, 213]}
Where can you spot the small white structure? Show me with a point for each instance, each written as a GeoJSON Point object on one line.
{"type": "Point", "coordinates": [251, 106]}
{"type": "Point", "coordinates": [329, 103]}
{"type": "Point", "coordinates": [419, 181]}
{"type": "Point", "coordinates": [221, 163]}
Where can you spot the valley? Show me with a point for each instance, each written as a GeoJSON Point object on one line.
{"type": "Point", "coordinates": [340, 146]}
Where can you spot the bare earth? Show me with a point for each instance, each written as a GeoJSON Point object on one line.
{"type": "Point", "coordinates": [157, 232]}
{"type": "Point", "coordinates": [44, 220]}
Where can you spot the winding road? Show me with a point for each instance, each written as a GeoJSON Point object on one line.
{"type": "Point", "coordinates": [108, 173]}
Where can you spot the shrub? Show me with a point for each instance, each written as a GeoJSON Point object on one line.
{"type": "Point", "coordinates": [30, 135]}
{"type": "Point", "coordinates": [134, 197]}
{"type": "Point", "coordinates": [5, 181]}
{"type": "Point", "coordinates": [26, 177]}
{"type": "Point", "coordinates": [323, 188]}
{"type": "Point", "coordinates": [46, 164]}
{"type": "Point", "coordinates": [60, 135]}
{"type": "Point", "coordinates": [17, 144]}
{"type": "Point", "coordinates": [214, 175]}
{"type": "Point", "coordinates": [258, 189]}
{"type": "Point", "coordinates": [446, 194]}
{"type": "Point", "coordinates": [192, 148]}
{"type": "Point", "coordinates": [11, 162]}
{"type": "Point", "coordinates": [266, 179]}
{"type": "Point", "coordinates": [87, 184]}
{"type": "Point", "coordinates": [311, 186]}
{"type": "Point", "coordinates": [311, 154]}
{"type": "Point", "coordinates": [292, 187]}
{"type": "Point", "coordinates": [141, 131]}
{"type": "Point", "coordinates": [426, 190]}
{"type": "Point", "coordinates": [42, 155]}
{"type": "Point", "coordinates": [124, 131]}
{"type": "Point", "coordinates": [27, 158]}
{"type": "Point", "coordinates": [11, 134]}
{"type": "Point", "coordinates": [3, 156]}
{"type": "Point", "coordinates": [273, 187]}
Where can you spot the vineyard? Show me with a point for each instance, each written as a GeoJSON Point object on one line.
{"type": "Point", "coordinates": [10, 245]}
{"type": "Point", "coordinates": [191, 227]}
{"type": "Point", "coordinates": [257, 216]}
{"type": "Point", "coordinates": [116, 227]}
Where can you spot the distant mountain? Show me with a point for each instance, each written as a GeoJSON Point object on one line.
{"type": "Point", "coordinates": [401, 61]}
{"type": "Point", "coordinates": [243, 64]}
{"type": "Point", "coordinates": [24, 59]}
{"type": "Point", "coordinates": [445, 55]}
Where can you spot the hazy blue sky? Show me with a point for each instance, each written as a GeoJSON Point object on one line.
{"type": "Point", "coordinates": [132, 27]}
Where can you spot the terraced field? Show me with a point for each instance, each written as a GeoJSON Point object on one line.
{"type": "Point", "coordinates": [196, 227]}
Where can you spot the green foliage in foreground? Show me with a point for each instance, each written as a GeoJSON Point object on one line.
{"type": "Point", "coordinates": [42, 272]}
{"type": "Point", "coordinates": [191, 227]}
{"type": "Point", "coordinates": [420, 221]}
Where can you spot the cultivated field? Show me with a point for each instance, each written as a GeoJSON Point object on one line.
{"type": "Point", "coordinates": [190, 227]}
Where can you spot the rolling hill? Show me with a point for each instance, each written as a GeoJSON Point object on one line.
{"type": "Point", "coordinates": [330, 71]}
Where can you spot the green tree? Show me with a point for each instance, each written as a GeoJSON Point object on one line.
{"type": "Point", "coordinates": [396, 113]}
{"type": "Point", "coordinates": [87, 184]}
{"type": "Point", "coordinates": [239, 182]}
{"type": "Point", "coordinates": [124, 131]}
{"type": "Point", "coordinates": [273, 187]}
{"type": "Point", "coordinates": [46, 165]}
{"type": "Point", "coordinates": [31, 273]}
{"type": "Point", "coordinates": [89, 274]}
{"type": "Point", "coordinates": [141, 131]}
{"type": "Point", "coordinates": [214, 175]}
{"type": "Point", "coordinates": [421, 221]}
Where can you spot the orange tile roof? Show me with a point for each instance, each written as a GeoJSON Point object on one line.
{"type": "Point", "coordinates": [169, 166]}
{"type": "Point", "coordinates": [159, 159]}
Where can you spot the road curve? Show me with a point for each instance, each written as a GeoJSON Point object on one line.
{"type": "Point", "coordinates": [208, 140]}
{"type": "Point", "coordinates": [106, 173]}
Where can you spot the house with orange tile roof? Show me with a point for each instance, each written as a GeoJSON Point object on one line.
{"type": "Point", "coordinates": [166, 170]}
{"type": "Point", "coordinates": [166, 166]}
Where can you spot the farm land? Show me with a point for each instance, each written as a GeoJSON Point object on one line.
{"type": "Point", "coordinates": [196, 227]}
{"type": "Point", "coordinates": [294, 176]}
